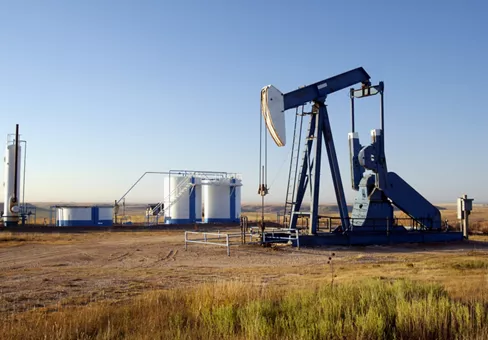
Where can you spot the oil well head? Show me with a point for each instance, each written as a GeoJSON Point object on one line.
{"type": "Point", "coordinates": [12, 206]}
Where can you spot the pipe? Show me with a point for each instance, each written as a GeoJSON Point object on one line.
{"type": "Point", "coordinates": [351, 94]}
{"type": "Point", "coordinates": [199, 171]}
{"type": "Point", "coordinates": [265, 159]}
{"type": "Point", "coordinates": [260, 152]}
{"type": "Point", "coordinates": [23, 180]}
{"type": "Point", "coordinates": [15, 198]}
{"type": "Point", "coordinates": [382, 110]}
{"type": "Point", "coordinates": [204, 173]}
{"type": "Point", "coordinates": [144, 174]}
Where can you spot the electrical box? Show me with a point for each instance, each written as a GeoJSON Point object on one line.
{"type": "Point", "coordinates": [464, 205]}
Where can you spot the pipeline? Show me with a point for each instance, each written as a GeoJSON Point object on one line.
{"type": "Point", "coordinates": [16, 168]}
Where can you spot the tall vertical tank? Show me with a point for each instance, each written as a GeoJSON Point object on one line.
{"type": "Point", "coordinates": [222, 200]}
{"type": "Point", "coordinates": [182, 199]}
{"type": "Point", "coordinates": [11, 209]}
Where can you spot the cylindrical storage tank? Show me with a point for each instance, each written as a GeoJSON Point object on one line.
{"type": "Point", "coordinates": [105, 216]}
{"type": "Point", "coordinates": [221, 200]}
{"type": "Point", "coordinates": [74, 217]}
{"type": "Point", "coordinates": [59, 216]}
{"type": "Point", "coordinates": [182, 199]}
{"type": "Point", "coordinates": [10, 209]}
{"type": "Point", "coordinates": [78, 216]}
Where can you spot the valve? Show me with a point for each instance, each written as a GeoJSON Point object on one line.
{"type": "Point", "coordinates": [263, 190]}
{"type": "Point", "coordinates": [14, 208]}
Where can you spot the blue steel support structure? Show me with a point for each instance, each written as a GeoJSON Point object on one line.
{"type": "Point", "coordinates": [320, 90]}
{"type": "Point", "coordinates": [314, 207]}
{"type": "Point", "coordinates": [320, 130]}
{"type": "Point", "coordinates": [377, 191]}
{"type": "Point", "coordinates": [305, 174]}
{"type": "Point", "coordinates": [334, 169]}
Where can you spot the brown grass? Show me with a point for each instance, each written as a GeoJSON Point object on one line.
{"type": "Point", "coordinates": [9, 239]}
{"type": "Point", "coordinates": [362, 310]}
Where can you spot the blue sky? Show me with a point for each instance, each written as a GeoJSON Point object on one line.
{"type": "Point", "coordinates": [106, 90]}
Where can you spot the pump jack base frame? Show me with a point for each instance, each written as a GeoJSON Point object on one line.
{"type": "Point", "coordinates": [379, 238]}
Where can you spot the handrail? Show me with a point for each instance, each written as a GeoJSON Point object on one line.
{"type": "Point", "coordinates": [179, 190]}
{"type": "Point", "coordinates": [216, 239]}
{"type": "Point", "coordinates": [375, 223]}
{"type": "Point", "coordinates": [138, 180]}
{"type": "Point", "coordinates": [202, 174]}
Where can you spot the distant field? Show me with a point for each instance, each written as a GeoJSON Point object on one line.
{"type": "Point", "coordinates": [135, 213]}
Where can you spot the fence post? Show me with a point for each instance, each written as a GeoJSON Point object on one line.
{"type": "Point", "coordinates": [228, 245]}
{"type": "Point", "coordinates": [185, 239]}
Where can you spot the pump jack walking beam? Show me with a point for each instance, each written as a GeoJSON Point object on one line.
{"type": "Point", "coordinates": [319, 90]}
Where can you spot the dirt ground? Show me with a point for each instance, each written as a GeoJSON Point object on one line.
{"type": "Point", "coordinates": [49, 270]}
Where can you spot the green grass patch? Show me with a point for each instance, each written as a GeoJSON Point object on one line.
{"type": "Point", "coordinates": [372, 309]}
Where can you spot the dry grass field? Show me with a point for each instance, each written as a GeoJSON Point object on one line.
{"type": "Point", "coordinates": [144, 285]}
{"type": "Point", "coordinates": [136, 214]}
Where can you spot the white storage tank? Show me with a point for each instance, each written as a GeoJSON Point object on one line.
{"type": "Point", "coordinates": [84, 216]}
{"type": "Point", "coordinates": [10, 212]}
{"type": "Point", "coordinates": [105, 216]}
{"type": "Point", "coordinates": [222, 200]}
{"type": "Point", "coordinates": [182, 199]}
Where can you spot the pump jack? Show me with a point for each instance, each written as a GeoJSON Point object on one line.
{"type": "Point", "coordinates": [378, 190]}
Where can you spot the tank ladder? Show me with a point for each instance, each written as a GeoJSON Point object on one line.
{"type": "Point", "coordinates": [177, 193]}
{"type": "Point", "coordinates": [293, 171]}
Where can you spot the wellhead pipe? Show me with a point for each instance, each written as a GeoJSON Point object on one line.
{"type": "Point", "coordinates": [15, 198]}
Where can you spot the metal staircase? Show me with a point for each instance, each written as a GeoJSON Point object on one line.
{"type": "Point", "coordinates": [293, 171]}
{"type": "Point", "coordinates": [175, 194]}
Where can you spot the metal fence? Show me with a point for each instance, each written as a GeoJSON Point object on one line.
{"type": "Point", "coordinates": [216, 239]}
{"type": "Point", "coordinates": [276, 235]}
{"type": "Point", "coordinates": [330, 223]}
{"type": "Point", "coordinates": [246, 235]}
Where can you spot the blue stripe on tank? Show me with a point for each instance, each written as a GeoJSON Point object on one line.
{"type": "Point", "coordinates": [83, 223]}
{"type": "Point", "coordinates": [178, 221]}
{"type": "Point", "coordinates": [94, 215]}
{"type": "Point", "coordinates": [220, 220]}
{"type": "Point", "coordinates": [232, 199]}
{"type": "Point", "coordinates": [192, 201]}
